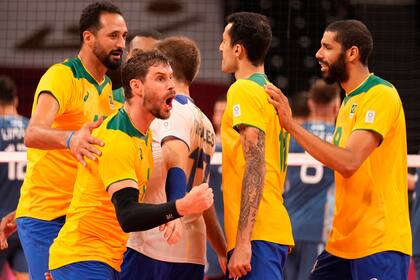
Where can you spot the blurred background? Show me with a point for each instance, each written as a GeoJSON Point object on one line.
{"type": "Point", "coordinates": [36, 34]}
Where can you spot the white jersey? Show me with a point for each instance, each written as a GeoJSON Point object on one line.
{"type": "Point", "coordinates": [191, 126]}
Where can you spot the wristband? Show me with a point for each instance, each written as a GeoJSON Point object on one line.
{"type": "Point", "coordinates": [68, 139]}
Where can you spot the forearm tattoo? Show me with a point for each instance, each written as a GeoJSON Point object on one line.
{"type": "Point", "coordinates": [253, 180]}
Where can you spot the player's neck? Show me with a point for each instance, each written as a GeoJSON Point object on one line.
{"type": "Point", "coordinates": [140, 118]}
{"type": "Point", "coordinates": [357, 75]}
{"type": "Point", "coordinates": [246, 69]}
{"type": "Point", "coordinates": [182, 88]}
{"type": "Point", "coordinates": [92, 64]}
{"type": "Point", "coordinates": [8, 110]}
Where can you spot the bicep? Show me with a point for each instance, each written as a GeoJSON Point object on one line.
{"type": "Point", "coordinates": [45, 111]}
{"type": "Point", "coordinates": [362, 143]}
{"type": "Point", "coordinates": [175, 153]}
{"type": "Point", "coordinates": [114, 187]}
{"type": "Point", "coordinates": [252, 140]}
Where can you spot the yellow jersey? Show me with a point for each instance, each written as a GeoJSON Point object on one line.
{"type": "Point", "coordinates": [371, 211]}
{"type": "Point", "coordinates": [48, 186]}
{"type": "Point", "coordinates": [92, 231]}
{"type": "Point", "coordinates": [247, 105]}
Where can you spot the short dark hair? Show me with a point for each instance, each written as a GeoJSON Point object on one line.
{"type": "Point", "coordinates": [350, 33]}
{"type": "Point", "coordinates": [322, 93]}
{"type": "Point", "coordinates": [138, 66]}
{"type": "Point", "coordinates": [90, 18]}
{"type": "Point", "coordinates": [147, 34]}
{"type": "Point", "coordinates": [7, 90]}
{"type": "Point", "coordinates": [184, 57]}
{"type": "Point", "coordinates": [253, 31]}
{"type": "Point", "coordinates": [221, 98]}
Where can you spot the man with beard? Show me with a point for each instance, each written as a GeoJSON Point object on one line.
{"type": "Point", "coordinates": [69, 96]}
{"type": "Point", "coordinates": [106, 197]}
{"type": "Point", "coordinates": [182, 147]}
{"type": "Point", "coordinates": [371, 236]}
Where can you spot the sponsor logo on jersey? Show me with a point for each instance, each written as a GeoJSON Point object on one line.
{"type": "Point", "coordinates": [352, 110]}
{"type": "Point", "coordinates": [111, 102]}
{"type": "Point", "coordinates": [236, 110]}
{"type": "Point", "coordinates": [86, 96]}
{"type": "Point", "coordinates": [370, 116]}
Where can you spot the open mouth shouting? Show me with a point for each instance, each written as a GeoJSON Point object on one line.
{"type": "Point", "coordinates": [168, 101]}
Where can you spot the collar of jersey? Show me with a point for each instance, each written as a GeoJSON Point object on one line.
{"type": "Point", "coordinates": [183, 99]}
{"type": "Point", "coordinates": [361, 88]}
{"type": "Point", "coordinates": [259, 78]}
{"type": "Point", "coordinates": [89, 74]}
{"type": "Point", "coordinates": [121, 121]}
{"type": "Point", "coordinates": [80, 71]}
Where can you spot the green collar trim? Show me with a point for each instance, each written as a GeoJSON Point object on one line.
{"type": "Point", "coordinates": [80, 72]}
{"type": "Point", "coordinates": [118, 95]}
{"type": "Point", "coordinates": [121, 121]}
{"type": "Point", "coordinates": [370, 82]}
{"type": "Point", "coordinates": [259, 78]}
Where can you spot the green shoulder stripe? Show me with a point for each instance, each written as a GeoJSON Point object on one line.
{"type": "Point", "coordinates": [122, 122]}
{"type": "Point", "coordinates": [258, 78]}
{"type": "Point", "coordinates": [367, 85]}
{"type": "Point", "coordinates": [79, 72]}
{"type": "Point", "coordinates": [118, 95]}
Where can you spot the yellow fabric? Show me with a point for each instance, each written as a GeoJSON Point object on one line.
{"type": "Point", "coordinates": [247, 104]}
{"type": "Point", "coordinates": [371, 212]}
{"type": "Point", "coordinates": [47, 189]}
{"type": "Point", "coordinates": [92, 231]}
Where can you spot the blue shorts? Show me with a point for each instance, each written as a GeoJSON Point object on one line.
{"type": "Point", "coordinates": [267, 261]}
{"type": "Point", "coordinates": [36, 237]}
{"type": "Point", "coordinates": [384, 265]}
{"type": "Point", "coordinates": [140, 267]}
{"type": "Point", "coordinates": [13, 255]}
{"type": "Point", "coordinates": [92, 270]}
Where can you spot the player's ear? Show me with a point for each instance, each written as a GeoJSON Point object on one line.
{"type": "Point", "coordinates": [88, 37]}
{"type": "Point", "coordinates": [137, 87]}
{"type": "Point", "coordinates": [352, 53]}
{"type": "Point", "coordinates": [238, 50]}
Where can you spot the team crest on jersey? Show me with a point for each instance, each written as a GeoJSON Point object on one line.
{"type": "Point", "coordinates": [111, 103]}
{"type": "Point", "coordinates": [352, 110]}
{"type": "Point", "coordinates": [236, 110]}
{"type": "Point", "coordinates": [370, 116]}
{"type": "Point", "coordinates": [86, 96]}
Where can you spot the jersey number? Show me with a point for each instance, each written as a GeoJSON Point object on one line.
{"type": "Point", "coordinates": [283, 139]}
{"type": "Point", "coordinates": [16, 170]}
{"type": "Point", "coordinates": [200, 158]}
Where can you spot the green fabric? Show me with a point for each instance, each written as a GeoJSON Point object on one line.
{"type": "Point", "coordinates": [122, 122]}
{"type": "Point", "coordinates": [79, 72]}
